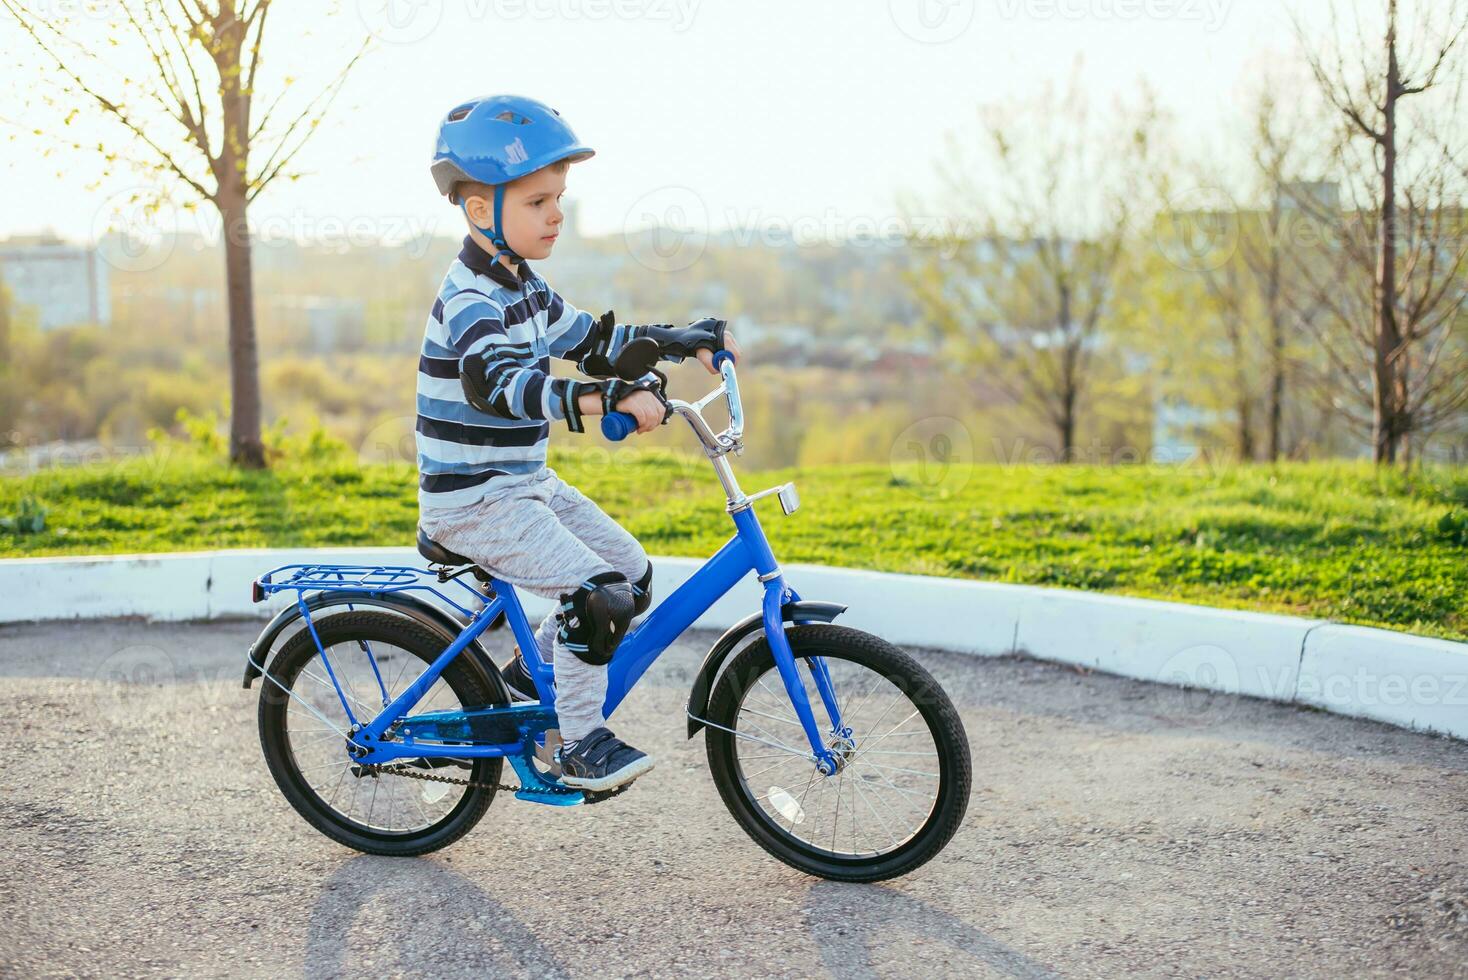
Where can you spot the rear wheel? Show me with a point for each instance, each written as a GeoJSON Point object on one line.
{"type": "Point", "coordinates": [374, 656]}
{"type": "Point", "coordinates": [905, 774]}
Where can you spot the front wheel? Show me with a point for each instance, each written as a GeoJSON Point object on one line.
{"type": "Point", "coordinates": [903, 783]}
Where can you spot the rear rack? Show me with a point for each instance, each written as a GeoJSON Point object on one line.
{"type": "Point", "coordinates": [372, 579]}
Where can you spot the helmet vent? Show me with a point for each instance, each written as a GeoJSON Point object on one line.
{"type": "Point", "coordinates": [511, 117]}
{"type": "Point", "coordinates": [460, 113]}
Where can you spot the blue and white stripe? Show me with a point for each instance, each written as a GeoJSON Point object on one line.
{"type": "Point", "coordinates": [518, 325]}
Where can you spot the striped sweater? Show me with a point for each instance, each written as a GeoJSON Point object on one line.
{"type": "Point", "coordinates": [516, 326]}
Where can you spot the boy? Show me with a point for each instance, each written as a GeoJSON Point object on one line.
{"type": "Point", "coordinates": [486, 400]}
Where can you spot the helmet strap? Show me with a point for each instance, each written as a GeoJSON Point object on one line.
{"type": "Point", "coordinates": [501, 246]}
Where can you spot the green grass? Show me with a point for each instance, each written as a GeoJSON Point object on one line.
{"type": "Point", "coordinates": [1335, 540]}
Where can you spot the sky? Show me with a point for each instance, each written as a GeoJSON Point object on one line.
{"type": "Point", "coordinates": [727, 113]}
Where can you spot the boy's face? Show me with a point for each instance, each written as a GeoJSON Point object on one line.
{"type": "Point", "coordinates": [532, 212]}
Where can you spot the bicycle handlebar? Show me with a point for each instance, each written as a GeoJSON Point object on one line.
{"type": "Point", "coordinates": [619, 425]}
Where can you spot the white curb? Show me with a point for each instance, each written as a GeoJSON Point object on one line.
{"type": "Point", "coordinates": [1405, 680]}
{"type": "Point", "coordinates": [1412, 681]}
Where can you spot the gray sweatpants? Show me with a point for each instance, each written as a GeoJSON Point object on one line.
{"type": "Point", "coordinates": [547, 537]}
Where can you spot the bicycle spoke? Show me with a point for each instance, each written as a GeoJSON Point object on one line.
{"type": "Point", "coordinates": [864, 808]}
{"type": "Point", "coordinates": [786, 759]}
{"type": "Point", "coordinates": [882, 820]}
{"type": "Point", "coordinates": [786, 721]}
{"type": "Point", "coordinates": [915, 772]}
{"type": "Point", "coordinates": [407, 809]}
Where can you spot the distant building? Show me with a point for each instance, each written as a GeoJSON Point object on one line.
{"type": "Point", "coordinates": [64, 283]}
{"type": "Point", "coordinates": [323, 323]}
{"type": "Point", "coordinates": [1176, 426]}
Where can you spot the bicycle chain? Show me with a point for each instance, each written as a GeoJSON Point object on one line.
{"type": "Point", "coordinates": [404, 769]}
{"type": "Point", "coordinates": [587, 796]}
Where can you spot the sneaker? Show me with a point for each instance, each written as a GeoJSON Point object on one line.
{"type": "Point", "coordinates": [517, 678]}
{"type": "Point", "coordinates": [601, 761]}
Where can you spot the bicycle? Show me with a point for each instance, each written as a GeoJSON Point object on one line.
{"type": "Point", "coordinates": [408, 765]}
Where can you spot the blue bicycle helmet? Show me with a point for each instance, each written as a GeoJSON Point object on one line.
{"type": "Point", "coordinates": [495, 139]}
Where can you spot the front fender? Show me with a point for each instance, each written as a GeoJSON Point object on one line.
{"type": "Point", "coordinates": [804, 611]}
{"type": "Point", "coordinates": [429, 615]}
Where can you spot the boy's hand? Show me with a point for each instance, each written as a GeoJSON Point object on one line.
{"type": "Point", "coordinates": [645, 407]}
{"type": "Point", "coordinates": [706, 357]}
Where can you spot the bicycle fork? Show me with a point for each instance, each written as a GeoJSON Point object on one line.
{"type": "Point", "coordinates": [776, 595]}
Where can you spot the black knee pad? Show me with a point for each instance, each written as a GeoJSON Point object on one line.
{"type": "Point", "coordinates": [594, 618]}
{"type": "Point", "coordinates": [642, 592]}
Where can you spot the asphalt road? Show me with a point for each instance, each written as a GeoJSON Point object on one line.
{"type": "Point", "coordinates": [1115, 827]}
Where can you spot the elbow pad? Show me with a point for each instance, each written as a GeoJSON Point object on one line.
{"type": "Point", "coordinates": [473, 375]}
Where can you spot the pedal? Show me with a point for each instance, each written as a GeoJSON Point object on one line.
{"type": "Point", "coordinates": [537, 788]}
{"type": "Point", "coordinates": [590, 797]}
{"type": "Point", "coordinates": [546, 754]}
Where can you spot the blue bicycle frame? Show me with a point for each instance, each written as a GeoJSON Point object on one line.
{"type": "Point", "coordinates": [390, 735]}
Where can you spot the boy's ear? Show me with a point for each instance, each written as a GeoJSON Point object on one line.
{"type": "Point", "coordinates": [479, 209]}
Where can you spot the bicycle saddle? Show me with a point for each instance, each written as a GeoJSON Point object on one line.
{"type": "Point", "coordinates": [437, 553]}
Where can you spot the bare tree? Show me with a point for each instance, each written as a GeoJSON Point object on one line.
{"type": "Point", "coordinates": [1026, 297]}
{"type": "Point", "coordinates": [199, 117]}
{"type": "Point", "coordinates": [1231, 290]}
{"type": "Point", "coordinates": [1278, 154]}
{"type": "Point", "coordinates": [1392, 288]}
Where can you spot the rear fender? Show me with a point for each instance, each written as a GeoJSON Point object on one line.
{"type": "Point", "coordinates": [434, 618]}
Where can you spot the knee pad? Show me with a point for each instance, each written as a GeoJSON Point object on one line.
{"type": "Point", "coordinates": [594, 618]}
{"type": "Point", "coordinates": [642, 592]}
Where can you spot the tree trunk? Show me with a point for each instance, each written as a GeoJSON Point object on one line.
{"type": "Point", "coordinates": [1386, 420]}
{"type": "Point", "coordinates": [1276, 339]}
{"type": "Point", "coordinates": [1246, 428]}
{"type": "Point", "coordinates": [245, 448]}
{"type": "Point", "coordinates": [1068, 432]}
{"type": "Point", "coordinates": [1068, 385]}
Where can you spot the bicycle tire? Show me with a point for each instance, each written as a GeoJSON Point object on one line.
{"type": "Point", "coordinates": [904, 673]}
{"type": "Point", "coordinates": [467, 686]}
